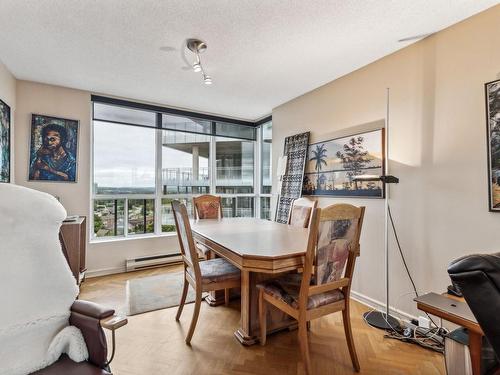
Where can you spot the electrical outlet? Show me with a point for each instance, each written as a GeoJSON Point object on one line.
{"type": "Point", "coordinates": [424, 322]}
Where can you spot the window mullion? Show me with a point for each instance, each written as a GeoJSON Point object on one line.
{"type": "Point", "coordinates": [257, 172]}
{"type": "Point", "coordinates": [158, 177]}
{"type": "Point", "coordinates": [212, 161]}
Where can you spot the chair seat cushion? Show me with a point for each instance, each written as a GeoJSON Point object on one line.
{"type": "Point", "coordinates": [65, 366]}
{"type": "Point", "coordinates": [216, 271]}
{"type": "Point", "coordinates": [286, 288]}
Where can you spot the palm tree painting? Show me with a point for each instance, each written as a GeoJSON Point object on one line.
{"type": "Point", "coordinates": [319, 158]}
{"type": "Point", "coordinates": [332, 166]}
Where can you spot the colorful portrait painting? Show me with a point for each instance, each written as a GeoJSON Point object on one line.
{"type": "Point", "coordinates": [493, 134]}
{"type": "Point", "coordinates": [332, 166]}
{"type": "Point", "coordinates": [4, 142]}
{"type": "Point", "coordinates": [53, 149]}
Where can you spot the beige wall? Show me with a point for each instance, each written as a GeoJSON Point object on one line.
{"type": "Point", "coordinates": [74, 104]}
{"type": "Point", "coordinates": [437, 146]}
{"type": "Point", "coordinates": [8, 95]}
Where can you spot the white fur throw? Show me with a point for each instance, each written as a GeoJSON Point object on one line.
{"type": "Point", "coordinates": [36, 284]}
{"type": "Point", "coordinates": [70, 341]}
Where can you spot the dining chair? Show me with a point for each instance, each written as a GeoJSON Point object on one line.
{"type": "Point", "coordinates": [205, 276]}
{"type": "Point", "coordinates": [300, 213]}
{"type": "Point", "coordinates": [206, 207]}
{"type": "Point", "coordinates": [332, 249]}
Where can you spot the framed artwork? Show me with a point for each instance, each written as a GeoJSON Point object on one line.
{"type": "Point", "coordinates": [332, 166]}
{"type": "Point", "coordinates": [493, 134]}
{"type": "Point", "coordinates": [53, 149]}
{"type": "Point", "coordinates": [4, 142]}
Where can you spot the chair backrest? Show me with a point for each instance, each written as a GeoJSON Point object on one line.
{"type": "Point", "coordinates": [207, 207]}
{"type": "Point", "coordinates": [36, 283]}
{"type": "Point", "coordinates": [186, 242]}
{"type": "Point", "coordinates": [338, 239]}
{"type": "Point", "coordinates": [332, 247]}
{"type": "Point", "coordinates": [301, 212]}
{"type": "Point", "coordinates": [478, 277]}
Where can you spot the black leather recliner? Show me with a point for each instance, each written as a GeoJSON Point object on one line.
{"type": "Point", "coordinates": [478, 276]}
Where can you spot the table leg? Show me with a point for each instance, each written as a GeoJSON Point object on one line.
{"type": "Point", "coordinates": [216, 297]}
{"type": "Point", "coordinates": [475, 344]}
{"type": "Point", "coordinates": [248, 333]}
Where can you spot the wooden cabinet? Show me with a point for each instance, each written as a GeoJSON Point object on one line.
{"type": "Point", "coordinates": [73, 243]}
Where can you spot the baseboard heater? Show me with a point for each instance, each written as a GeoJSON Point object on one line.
{"type": "Point", "coordinates": [152, 261]}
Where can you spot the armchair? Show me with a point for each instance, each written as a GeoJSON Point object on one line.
{"type": "Point", "coordinates": [478, 277]}
{"type": "Point", "coordinates": [39, 292]}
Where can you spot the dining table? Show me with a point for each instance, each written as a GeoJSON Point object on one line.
{"type": "Point", "coordinates": [262, 250]}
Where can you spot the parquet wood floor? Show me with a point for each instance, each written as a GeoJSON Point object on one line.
{"type": "Point", "coordinates": [153, 343]}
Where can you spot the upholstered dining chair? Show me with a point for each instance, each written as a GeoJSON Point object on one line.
{"type": "Point", "coordinates": [300, 212]}
{"type": "Point", "coordinates": [205, 276]}
{"type": "Point", "coordinates": [206, 207]}
{"type": "Point", "coordinates": [332, 249]}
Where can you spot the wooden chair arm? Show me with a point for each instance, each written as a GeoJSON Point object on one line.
{"type": "Point", "coordinates": [316, 289]}
{"type": "Point", "coordinates": [113, 322]}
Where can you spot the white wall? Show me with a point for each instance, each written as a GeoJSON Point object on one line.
{"type": "Point", "coordinates": [75, 104]}
{"type": "Point", "coordinates": [8, 95]}
{"type": "Point", "coordinates": [437, 146]}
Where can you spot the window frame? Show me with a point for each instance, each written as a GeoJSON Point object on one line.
{"type": "Point", "coordinates": [158, 196]}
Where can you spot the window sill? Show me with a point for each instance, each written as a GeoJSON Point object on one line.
{"type": "Point", "coordinates": [131, 237]}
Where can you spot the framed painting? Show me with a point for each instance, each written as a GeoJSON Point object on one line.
{"type": "Point", "coordinates": [493, 135]}
{"type": "Point", "coordinates": [53, 149]}
{"type": "Point", "coordinates": [332, 166]}
{"type": "Point", "coordinates": [4, 142]}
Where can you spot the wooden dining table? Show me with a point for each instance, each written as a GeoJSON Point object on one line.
{"type": "Point", "coordinates": [261, 249]}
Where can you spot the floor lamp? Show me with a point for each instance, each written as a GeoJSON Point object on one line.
{"type": "Point", "coordinates": [381, 319]}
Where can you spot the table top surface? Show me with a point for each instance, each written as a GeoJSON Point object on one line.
{"type": "Point", "coordinates": [253, 238]}
{"type": "Point", "coordinates": [448, 306]}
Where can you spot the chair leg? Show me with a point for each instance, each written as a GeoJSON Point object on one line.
{"type": "Point", "coordinates": [183, 300]}
{"type": "Point", "coordinates": [308, 325]}
{"type": "Point", "coordinates": [262, 318]}
{"type": "Point", "coordinates": [304, 345]}
{"type": "Point", "coordinates": [226, 297]}
{"type": "Point", "coordinates": [194, 320]}
{"type": "Point", "coordinates": [348, 335]}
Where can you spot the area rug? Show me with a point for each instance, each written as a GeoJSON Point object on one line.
{"type": "Point", "coordinates": [155, 292]}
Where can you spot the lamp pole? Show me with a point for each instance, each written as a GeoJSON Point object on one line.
{"type": "Point", "coordinates": [380, 319]}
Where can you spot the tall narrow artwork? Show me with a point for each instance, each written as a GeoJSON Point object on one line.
{"type": "Point", "coordinates": [332, 166]}
{"type": "Point", "coordinates": [493, 135]}
{"type": "Point", "coordinates": [4, 142]}
{"type": "Point", "coordinates": [295, 150]}
{"type": "Point", "coordinates": [53, 149]}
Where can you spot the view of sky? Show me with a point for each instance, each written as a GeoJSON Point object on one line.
{"type": "Point", "coordinates": [124, 156]}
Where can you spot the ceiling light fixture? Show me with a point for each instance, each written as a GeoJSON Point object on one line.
{"type": "Point", "coordinates": [198, 46]}
{"type": "Point", "coordinates": [207, 79]}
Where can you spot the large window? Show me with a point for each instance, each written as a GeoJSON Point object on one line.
{"type": "Point", "coordinates": [143, 159]}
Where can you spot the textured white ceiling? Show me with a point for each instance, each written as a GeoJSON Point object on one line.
{"type": "Point", "coordinates": [261, 53]}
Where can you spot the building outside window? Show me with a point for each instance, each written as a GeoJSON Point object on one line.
{"type": "Point", "coordinates": [143, 160]}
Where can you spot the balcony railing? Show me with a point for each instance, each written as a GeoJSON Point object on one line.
{"type": "Point", "coordinates": [227, 176]}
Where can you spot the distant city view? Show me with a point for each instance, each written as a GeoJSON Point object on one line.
{"type": "Point", "coordinates": [128, 187]}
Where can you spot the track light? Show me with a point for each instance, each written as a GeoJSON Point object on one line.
{"type": "Point", "coordinates": [197, 67]}
{"type": "Point", "coordinates": [197, 46]}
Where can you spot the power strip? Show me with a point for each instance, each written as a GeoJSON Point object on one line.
{"type": "Point", "coordinates": [424, 322]}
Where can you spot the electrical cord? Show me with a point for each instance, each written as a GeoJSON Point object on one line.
{"type": "Point", "coordinates": [404, 261]}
